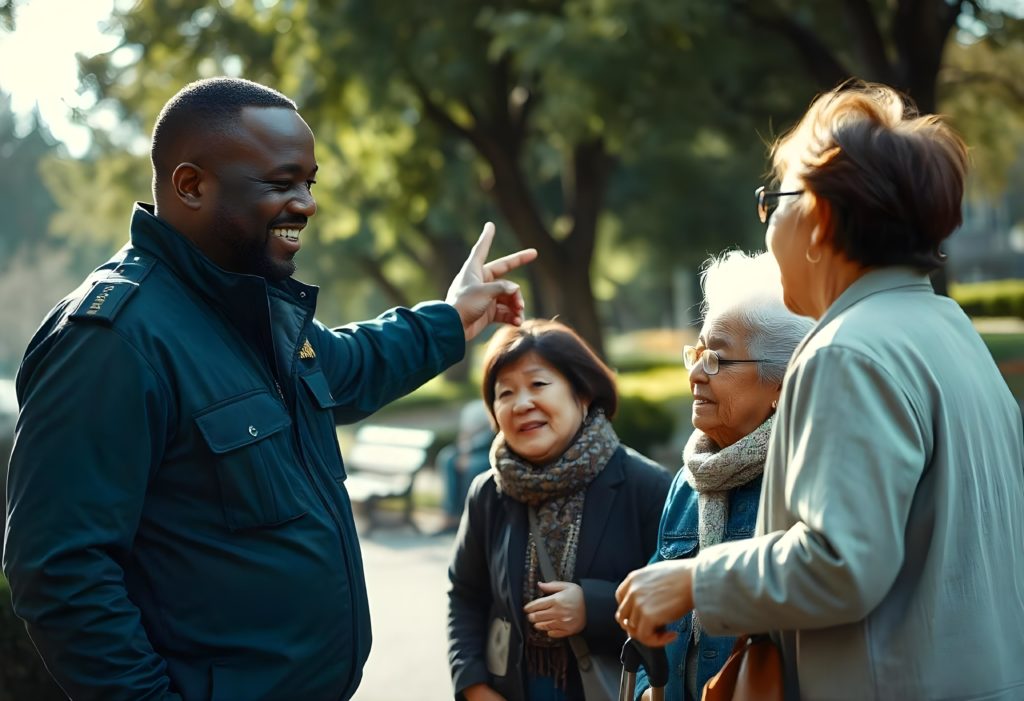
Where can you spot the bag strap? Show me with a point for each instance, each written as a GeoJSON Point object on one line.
{"type": "Point", "coordinates": [547, 569]}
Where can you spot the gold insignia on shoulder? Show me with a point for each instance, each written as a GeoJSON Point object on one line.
{"type": "Point", "coordinates": [307, 351]}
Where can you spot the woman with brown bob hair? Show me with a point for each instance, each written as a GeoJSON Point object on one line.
{"type": "Point", "coordinates": [887, 555]}
{"type": "Point", "coordinates": [597, 505]}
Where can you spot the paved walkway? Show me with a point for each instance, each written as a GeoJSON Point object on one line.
{"type": "Point", "coordinates": [407, 579]}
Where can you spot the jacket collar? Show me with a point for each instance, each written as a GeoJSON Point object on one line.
{"type": "Point", "coordinates": [233, 293]}
{"type": "Point", "coordinates": [871, 283]}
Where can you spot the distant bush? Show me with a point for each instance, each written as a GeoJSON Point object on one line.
{"type": "Point", "coordinates": [643, 424]}
{"type": "Point", "coordinates": [22, 674]}
{"type": "Point", "coordinates": [993, 298]}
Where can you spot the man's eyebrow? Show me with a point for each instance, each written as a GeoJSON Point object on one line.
{"type": "Point", "coordinates": [294, 169]}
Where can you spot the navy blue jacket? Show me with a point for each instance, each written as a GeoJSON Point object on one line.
{"type": "Point", "coordinates": [678, 538]}
{"type": "Point", "coordinates": [179, 526]}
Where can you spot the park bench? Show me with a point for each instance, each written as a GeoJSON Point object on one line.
{"type": "Point", "coordinates": [383, 464]}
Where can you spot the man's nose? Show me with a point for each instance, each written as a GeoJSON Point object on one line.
{"type": "Point", "coordinates": [304, 204]}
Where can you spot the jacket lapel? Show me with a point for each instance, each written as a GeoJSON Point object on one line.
{"type": "Point", "coordinates": [515, 552]}
{"type": "Point", "coordinates": [597, 509]}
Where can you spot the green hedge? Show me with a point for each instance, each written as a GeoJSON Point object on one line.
{"type": "Point", "coordinates": [22, 674]}
{"type": "Point", "coordinates": [643, 424]}
{"type": "Point", "coordinates": [993, 298]}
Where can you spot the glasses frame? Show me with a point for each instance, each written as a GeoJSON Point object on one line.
{"type": "Point", "coordinates": [720, 361]}
{"type": "Point", "coordinates": [761, 195]}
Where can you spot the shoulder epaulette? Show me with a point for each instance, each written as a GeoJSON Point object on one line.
{"type": "Point", "coordinates": [108, 294]}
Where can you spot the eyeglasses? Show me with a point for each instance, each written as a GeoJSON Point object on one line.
{"type": "Point", "coordinates": [710, 360]}
{"type": "Point", "coordinates": [766, 206]}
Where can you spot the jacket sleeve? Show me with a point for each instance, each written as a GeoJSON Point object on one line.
{"type": "Point", "coordinates": [853, 449]}
{"type": "Point", "coordinates": [90, 434]}
{"type": "Point", "coordinates": [470, 596]}
{"type": "Point", "coordinates": [375, 362]}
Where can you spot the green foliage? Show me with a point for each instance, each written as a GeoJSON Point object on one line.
{"type": "Point", "coordinates": [993, 298]}
{"type": "Point", "coordinates": [27, 207]}
{"type": "Point", "coordinates": [643, 424]}
{"type": "Point", "coordinates": [1005, 346]}
{"type": "Point", "coordinates": [22, 674]}
{"type": "Point", "coordinates": [622, 138]}
{"type": "Point", "coordinates": [7, 15]}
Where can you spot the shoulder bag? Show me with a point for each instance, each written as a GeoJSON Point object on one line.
{"type": "Point", "coordinates": [753, 672]}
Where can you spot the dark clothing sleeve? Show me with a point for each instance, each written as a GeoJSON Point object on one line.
{"type": "Point", "coordinates": [90, 434]}
{"type": "Point", "coordinates": [469, 597]}
{"type": "Point", "coordinates": [375, 362]}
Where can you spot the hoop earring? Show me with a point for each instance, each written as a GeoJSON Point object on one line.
{"type": "Point", "coordinates": [807, 255]}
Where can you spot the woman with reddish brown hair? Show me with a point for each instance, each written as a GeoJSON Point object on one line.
{"type": "Point", "coordinates": [888, 552]}
{"type": "Point", "coordinates": [596, 505]}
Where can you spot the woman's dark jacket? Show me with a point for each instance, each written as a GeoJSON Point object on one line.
{"type": "Point", "coordinates": [620, 528]}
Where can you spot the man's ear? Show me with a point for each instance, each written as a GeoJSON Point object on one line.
{"type": "Point", "coordinates": [188, 184]}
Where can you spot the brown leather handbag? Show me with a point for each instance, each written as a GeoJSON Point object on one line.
{"type": "Point", "coordinates": [753, 672]}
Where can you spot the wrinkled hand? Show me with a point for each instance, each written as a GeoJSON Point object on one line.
{"type": "Point", "coordinates": [480, 295]}
{"type": "Point", "coordinates": [560, 614]}
{"type": "Point", "coordinates": [652, 597]}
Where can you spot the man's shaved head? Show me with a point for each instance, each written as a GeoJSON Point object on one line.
{"type": "Point", "coordinates": [199, 114]}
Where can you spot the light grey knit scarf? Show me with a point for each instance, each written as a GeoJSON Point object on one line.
{"type": "Point", "coordinates": [713, 472]}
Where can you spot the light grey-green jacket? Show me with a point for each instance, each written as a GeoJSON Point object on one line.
{"type": "Point", "coordinates": [890, 540]}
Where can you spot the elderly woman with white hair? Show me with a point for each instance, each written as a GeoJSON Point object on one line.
{"type": "Point", "coordinates": [736, 372]}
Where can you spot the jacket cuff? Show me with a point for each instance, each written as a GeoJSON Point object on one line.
{"type": "Point", "coordinates": [446, 325]}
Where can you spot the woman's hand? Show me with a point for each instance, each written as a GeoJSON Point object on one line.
{"type": "Point", "coordinates": [481, 692]}
{"type": "Point", "coordinates": [560, 614]}
{"type": "Point", "coordinates": [652, 597]}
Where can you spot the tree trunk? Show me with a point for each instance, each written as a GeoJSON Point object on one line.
{"type": "Point", "coordinates": [394, 294]}
{"type": "Point", "coordinates": [563, 266]}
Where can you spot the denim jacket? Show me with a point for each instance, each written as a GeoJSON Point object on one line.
{"type": "Point", "coordinates": [677, 538]}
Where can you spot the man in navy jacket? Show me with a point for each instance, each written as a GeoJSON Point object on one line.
{"type": "Point", "coordinates": [178, 521]}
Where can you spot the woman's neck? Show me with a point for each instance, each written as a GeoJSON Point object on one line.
{"type": "Point", "coordinates": [831, 278]}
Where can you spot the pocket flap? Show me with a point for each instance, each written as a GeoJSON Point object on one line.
{"type": "Point", "coordinates": [677, 548]}
{"type": "Point", "coordinates": [238, 422]}
{"type": "Point", "coordinates": [316, 383]}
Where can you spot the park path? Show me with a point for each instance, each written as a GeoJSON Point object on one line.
{"type": "Point", "coordinates": [407, 580]}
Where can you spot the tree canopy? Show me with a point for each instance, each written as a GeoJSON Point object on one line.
{"type": "Point", "coordinates": [621, 138]}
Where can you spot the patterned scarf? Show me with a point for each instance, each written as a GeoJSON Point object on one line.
{"type": "Point", "coordinates": [556, 491]}
{"type": "Point", "coordinates": [713, 472]}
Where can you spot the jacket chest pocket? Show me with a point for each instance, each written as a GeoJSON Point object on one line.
{"type": "Point", "coordinates": [678, 548]}
{"type": "Point", "coordinates": [253, 460]}
{"type": "Point", "coordinates": [321, 422]}
{"type": "Point", "coordinates": [742, 517]}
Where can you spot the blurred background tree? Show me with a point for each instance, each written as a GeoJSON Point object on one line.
{"type": "Point", "coordinates": [622, 138]}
